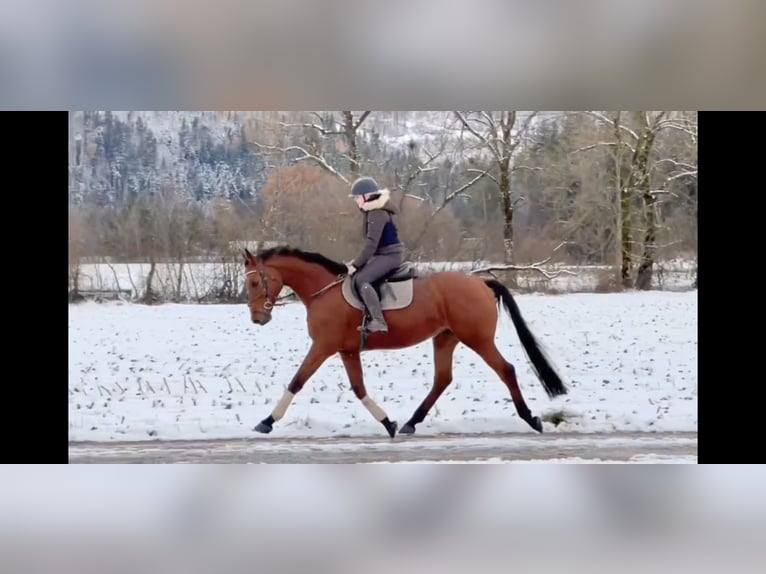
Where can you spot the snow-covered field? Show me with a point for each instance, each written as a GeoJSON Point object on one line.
{"type": "Point", "coordinates": [180, 371]}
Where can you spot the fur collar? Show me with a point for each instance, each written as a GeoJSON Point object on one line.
{"type": "Point", "coordinates": [385, 195]}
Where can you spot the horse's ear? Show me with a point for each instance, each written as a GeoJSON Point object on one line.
{"type": "Point", "coordinates": [247, 255]}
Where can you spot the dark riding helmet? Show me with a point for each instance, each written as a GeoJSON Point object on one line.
{"type": "Point", "coordinates": [364, 186]}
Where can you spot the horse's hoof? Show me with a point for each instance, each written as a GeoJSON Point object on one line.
{"type": "Point", "coordinates": [264, 428]}
{"type": "Point", "coordinates": [391, 427]}
{"type": "Point", "coordinates": [407, 429]}
{"type": "Point", "coordinates": [537, 424]}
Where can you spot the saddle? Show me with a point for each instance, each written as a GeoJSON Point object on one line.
{"type": "Point", "coordinates": [394, 289]}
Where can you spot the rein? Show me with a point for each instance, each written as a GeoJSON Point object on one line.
{"type": "Point", "coordinates": [340, 279]}
{"type": "Point", "coordinates": [270, 302]}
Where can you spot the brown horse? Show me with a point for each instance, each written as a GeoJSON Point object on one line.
{"type": "Point", "coordinates": [448, 307]}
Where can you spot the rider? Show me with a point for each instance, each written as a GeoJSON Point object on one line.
{"type": "Point", "coordinates": [382, 253]}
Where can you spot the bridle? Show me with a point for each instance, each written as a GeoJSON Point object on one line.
{"type": "Point", "coordinates": [269, 304]}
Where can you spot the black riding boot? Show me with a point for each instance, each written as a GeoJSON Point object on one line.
{"type": "Point", "coordinates": [370, 298]}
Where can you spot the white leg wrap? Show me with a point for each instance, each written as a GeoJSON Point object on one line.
{"type": "Point", "coordinates": [281, 408]}
{"type": "Point", "coordinates": [374, 409]}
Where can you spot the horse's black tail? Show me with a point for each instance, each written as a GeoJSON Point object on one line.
{"type": "Point", "coordinates": [541, 364]}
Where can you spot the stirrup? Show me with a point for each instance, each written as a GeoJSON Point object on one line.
{"type": "Point", "coordinates": [363, 327]}
{"type": "Point", "coordinates": [366, 320]}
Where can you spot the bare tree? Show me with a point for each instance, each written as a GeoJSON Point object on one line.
{"type": "Point", "coordinates": [496, 133]}
{"type": "Point", "coordinates": [445, 157]}
{"type": "Point", "coordinates": [623, 210]}
{"type": "Point", "coordinates": [180, 225]}
{"type": "Point", "coordinates": [624, 184]}
{"type": "Point", "coordinates": [675, 197]}
{"type": "Point", "coordinates": [416, 167]}
{"type": "Point", "coordinates": [643, 187]}
{"type": "Point", "coordinates": [350, 127]}
{"type": "Point", "coordinates": [142, 226]}
{"type": "Point", "coordinates": [633, 182]}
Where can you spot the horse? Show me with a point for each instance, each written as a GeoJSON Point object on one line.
{"type": "Point", "coordinates": [448, 307]}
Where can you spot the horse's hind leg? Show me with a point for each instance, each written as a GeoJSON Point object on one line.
{"type": "Point", "coordinates": [506, 371]}
{"type": "Point", "coordinates": [444, 348]}
{"type": "Point", "coordinates": [353, 364]}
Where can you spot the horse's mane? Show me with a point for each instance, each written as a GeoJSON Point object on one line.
{"type": "Point", "coordinates": [332, 266]}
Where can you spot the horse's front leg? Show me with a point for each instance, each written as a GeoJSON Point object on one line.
{"type": "Point", "coordinates": [353, 364]}
{"type": "Point", "coordinates": [311, 363]}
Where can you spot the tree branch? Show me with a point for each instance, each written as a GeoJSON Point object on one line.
{"type": "Point", "coordinates": [523, 130]}
{"type": "Point", "coordinates": [690, 173]}
{"type": "Point", "coordinates": [447, 199]}
{"type": "Point", "coordinates": [657, 120]}
{"type": "Point", "coordinates": [603, 144]}
{"type": "Point", "coordinates": [518, 167]}
{"type": "Point", "coordinates": [490, 123]}
{"type": "Point", "coordinates": [605, 119]}
{"type": "Point", "coordinates": [677, 163]}
{"type": "Point", "coordinates": [306, 155]}
{"type": "Point", "coordinates": [485, 172]}
{"type": "Point", "coordinates": [419, 169]}
{"type": "Point", "coordinates": [358, 123]}
{"type": "Point", "coordinates": [459, 190]}
{"type": "Point", "coordinates": [349, 158]}
{"type": "Point", "coordinates": [480, 137]}
{"type": "Point", "coordinates": [532, 267]}
{"type": "Point", "coordinates": [317, 127]}
{"type": "Point", "coordinates": [673, 124]}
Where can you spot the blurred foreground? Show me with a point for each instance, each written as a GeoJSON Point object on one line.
{"type": "Point", "coordinates": [278, 55]}
{"type": "Point", "coordinates": [334, 519]}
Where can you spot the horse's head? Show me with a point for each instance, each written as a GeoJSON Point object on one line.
{"type": "Point", "coordinates": [263, 287]}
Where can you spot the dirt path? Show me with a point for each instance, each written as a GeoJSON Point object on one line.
{"type": "Point", "coordinates": [495, 447]}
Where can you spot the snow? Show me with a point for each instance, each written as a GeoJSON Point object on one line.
{"type": "Point", "coordinates": [178, 371]}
